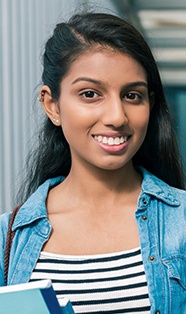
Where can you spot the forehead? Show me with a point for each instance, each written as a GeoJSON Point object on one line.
{"type": "Point", "coordinates": [105, 61]}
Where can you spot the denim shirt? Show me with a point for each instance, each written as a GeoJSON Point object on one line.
{"type": "Point", "coordinates": [161, 221]}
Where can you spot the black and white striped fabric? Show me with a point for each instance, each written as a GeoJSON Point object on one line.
{"type": "Point", "coordinates": [105, 283]}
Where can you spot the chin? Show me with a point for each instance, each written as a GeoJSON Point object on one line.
{"type": "Point", "coordinates": [111, 167]}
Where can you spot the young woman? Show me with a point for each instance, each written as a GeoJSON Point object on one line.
{"type": "Point", "coordinates": [103, 205]}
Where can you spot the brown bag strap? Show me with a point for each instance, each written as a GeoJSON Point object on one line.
{"type": "Point", "coordinates": [9, 239]}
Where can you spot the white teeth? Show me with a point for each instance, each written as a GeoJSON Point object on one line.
{"type": "Point", "coordinates": [104, 140]}
{"type": "Point", "coordinates": [123, 139]}
{"type": "Point", "coordinates": [117, 141]}
{"type": "Point", "coordinates": [111, 140]}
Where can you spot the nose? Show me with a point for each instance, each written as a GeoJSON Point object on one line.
{"type": "Point", "coordinates": [114, 113]}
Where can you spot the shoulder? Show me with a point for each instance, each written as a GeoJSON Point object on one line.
{"type": "Point", "coordinates": [34, 208]}
{"type": "Point", "coordinates": [157, 188]}
{"type": "Point", "coordinates": [4, 220]}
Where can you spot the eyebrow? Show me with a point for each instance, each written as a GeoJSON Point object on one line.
{"type": "Point", "coordinates": [127, 85]}
{"type": "Point", "coordinates": [136, 84]}
{"type": "Point", "coordinates": [87, 79]}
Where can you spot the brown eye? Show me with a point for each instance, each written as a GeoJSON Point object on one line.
{"type": "Point", "coordinates": [90, 94]}
{"type": "Point", "coordinates": [132, 96]}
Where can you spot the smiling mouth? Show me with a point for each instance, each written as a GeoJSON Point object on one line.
{"type": "Point", "coordinates": [111, 141]}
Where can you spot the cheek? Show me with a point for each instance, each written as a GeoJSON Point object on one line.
{"type": "Point", "coordinates": [140, 119]}
{"type": "Point", "coordinates": [75, 124]}
{"type": "Point", "coordinates": [78, 118]}
{"type": "Point", "coordinates": [144, 123]}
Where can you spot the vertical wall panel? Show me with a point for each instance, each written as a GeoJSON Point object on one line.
{"type": "Point", "coordinates": [24, 27]}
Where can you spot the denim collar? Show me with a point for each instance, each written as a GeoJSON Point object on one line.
{"type": "Point", "coordinates": [153, 186]}
{"type": "Point", "coordinates": [35, 207]}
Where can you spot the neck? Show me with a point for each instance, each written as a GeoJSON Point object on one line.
{"type": "Point", "coordinates": [102, 185]}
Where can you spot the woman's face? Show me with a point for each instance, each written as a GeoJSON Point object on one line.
{"type": "Point", "coordinates": [104, 109]}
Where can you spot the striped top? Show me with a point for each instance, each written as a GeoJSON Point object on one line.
{"type": "Point", "coordinates": [103, 283]}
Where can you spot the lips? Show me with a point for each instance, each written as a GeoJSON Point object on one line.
{"type": "Point", "coordinates": [110, 140]}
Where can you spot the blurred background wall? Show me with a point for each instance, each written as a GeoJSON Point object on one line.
{"type": "Point", "coordinates": [25, 25]}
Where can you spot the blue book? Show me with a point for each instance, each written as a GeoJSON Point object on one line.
{"type": "Point", "coordinates": [36, 297]}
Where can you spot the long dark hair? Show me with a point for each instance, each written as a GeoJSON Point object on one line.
{"type": "Point", "coordinates": [159, 152]}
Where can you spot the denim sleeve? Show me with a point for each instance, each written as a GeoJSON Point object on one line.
{"type": "Point", "coordinates": [4, 219]}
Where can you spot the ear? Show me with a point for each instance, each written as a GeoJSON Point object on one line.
{"type": "Point", "coordinates": [151, 100]}
{"type": "Point", "coordinates": [50, 106]}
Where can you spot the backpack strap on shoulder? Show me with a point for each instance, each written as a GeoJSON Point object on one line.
{"type": "Point", "coordinates": [9, 239]}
